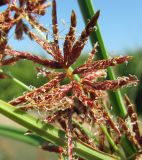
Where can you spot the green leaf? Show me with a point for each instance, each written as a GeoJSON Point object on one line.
{"type": "Point", "coordinates": [19, 134]}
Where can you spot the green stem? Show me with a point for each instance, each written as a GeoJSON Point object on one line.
{"type": "Point", "coordinates": [20, 83]}
{"type": "Point", "coordinates": [51, 133]}
{"type": "Point", "coordinates": [87, 10]}
{"type": "Point", "coordinates": [16, 80]}
{"type": "Point", "coordinates": [112, 143]}
{"type": "Point", "coordinates": [76, 77]}
{"type": "Point", "coordinates": [110, 140]}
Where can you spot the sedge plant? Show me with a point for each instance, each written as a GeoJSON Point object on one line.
{"type": "Point", "coordinates": [75, 117]}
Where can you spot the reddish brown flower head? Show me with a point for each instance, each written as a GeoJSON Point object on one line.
{"type": "Point", "coordinates": [67, 100]}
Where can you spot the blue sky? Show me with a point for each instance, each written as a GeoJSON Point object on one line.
{"type": "Point", "coordinates": [120, 23]}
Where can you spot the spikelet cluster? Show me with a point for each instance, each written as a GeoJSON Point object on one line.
{"type": "Point", "coordinates": [81, 100]}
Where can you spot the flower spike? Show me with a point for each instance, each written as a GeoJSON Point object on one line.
{"type": "Point", "coordinates": [55, 23]}
{"type": "Point", "coordinates": [51, 48]}
{"type": "Point", "coordinates": [80, 43]}
{"type": "Point", "coordinates": [126, 130]}
{"type": "Point", "coordinates": [112, 84]}
{"type": "Point", "coordinates": [70, 38]}
{"type": "Point", "coordinates": [102, 64]}
{"type": "Point", "coordinates": [133, 116]}
{"type": "Point", "coordinates": [46, 87]}
{"type": "Point", "coordinates": [24, 55]}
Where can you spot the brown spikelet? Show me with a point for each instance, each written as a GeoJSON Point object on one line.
{"type": "Point", "coordinates": [104, 118]}
{"type": "Point", "coordinates": [35, 24]}
{"type": "Point", "coordinates": [19, 30]}
{"type": "Point", "coordinates": [59, 92]}
{"type": "Point", "coordinates": [37, 7]}
{"type": "Point", "coordinates": [80, 43]}
{"type": "Point", "coordinates": [41, 9]}
{"type": "Point", "coordinates": [126, 130]}
{"type": "Point", "coordinates": [101, 64]}
{"type": "Point", "coordinates": [45, 45]}
{"type": "Point", "coordinates": [70, 38]}
{"type": "Point", "coordinates": [26, 30]}
{"type": "Point", "coordinates": [54, 101]}
{"type": "Point", "coordinates": [51, 48]}
{"type": "Point", "coordinates": [133, 116]}
{"type": "Point", "coordinates": [94, 75]}
{"type": "Point", "coordinates": [47, 106]}
{"type": "Point", "coordinates": [110, 122]}
{"type": "Point", "coordinates": [34, 58]}
{"type": "Point", "coordinates": [112, 84]}
{"type": "Point", "coordinates": [3, 44]}
{"type": "Point", "coordinates": [92, 116]}
{"type": "Point", "coordinates": [51, 148]}
{"type": "Point", "coordinates": [55, 23]}
{"type": "Point", "coordinates": [56, 115]}
{"type": "Point", "coordinates": [5, 26]}
{"type": "Point", "coordinates": [80, 109]}
{"type": "Point", "coordinates": [39, 90]}
{"type": "Point", "coordinates": [80, 134]}
{"type": "Point", "coordinates": [9, 61]}
{"type": "Point", "coordinates": [21, 2]}
{"type": "Point", "coordinates": [29, 17]}
{"type": "Point", "coordinates": [62, 122]}
{"type": "Point", "coordinates": [19, 27]}
{"type": "Point", "coordinates": [92, 53]}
